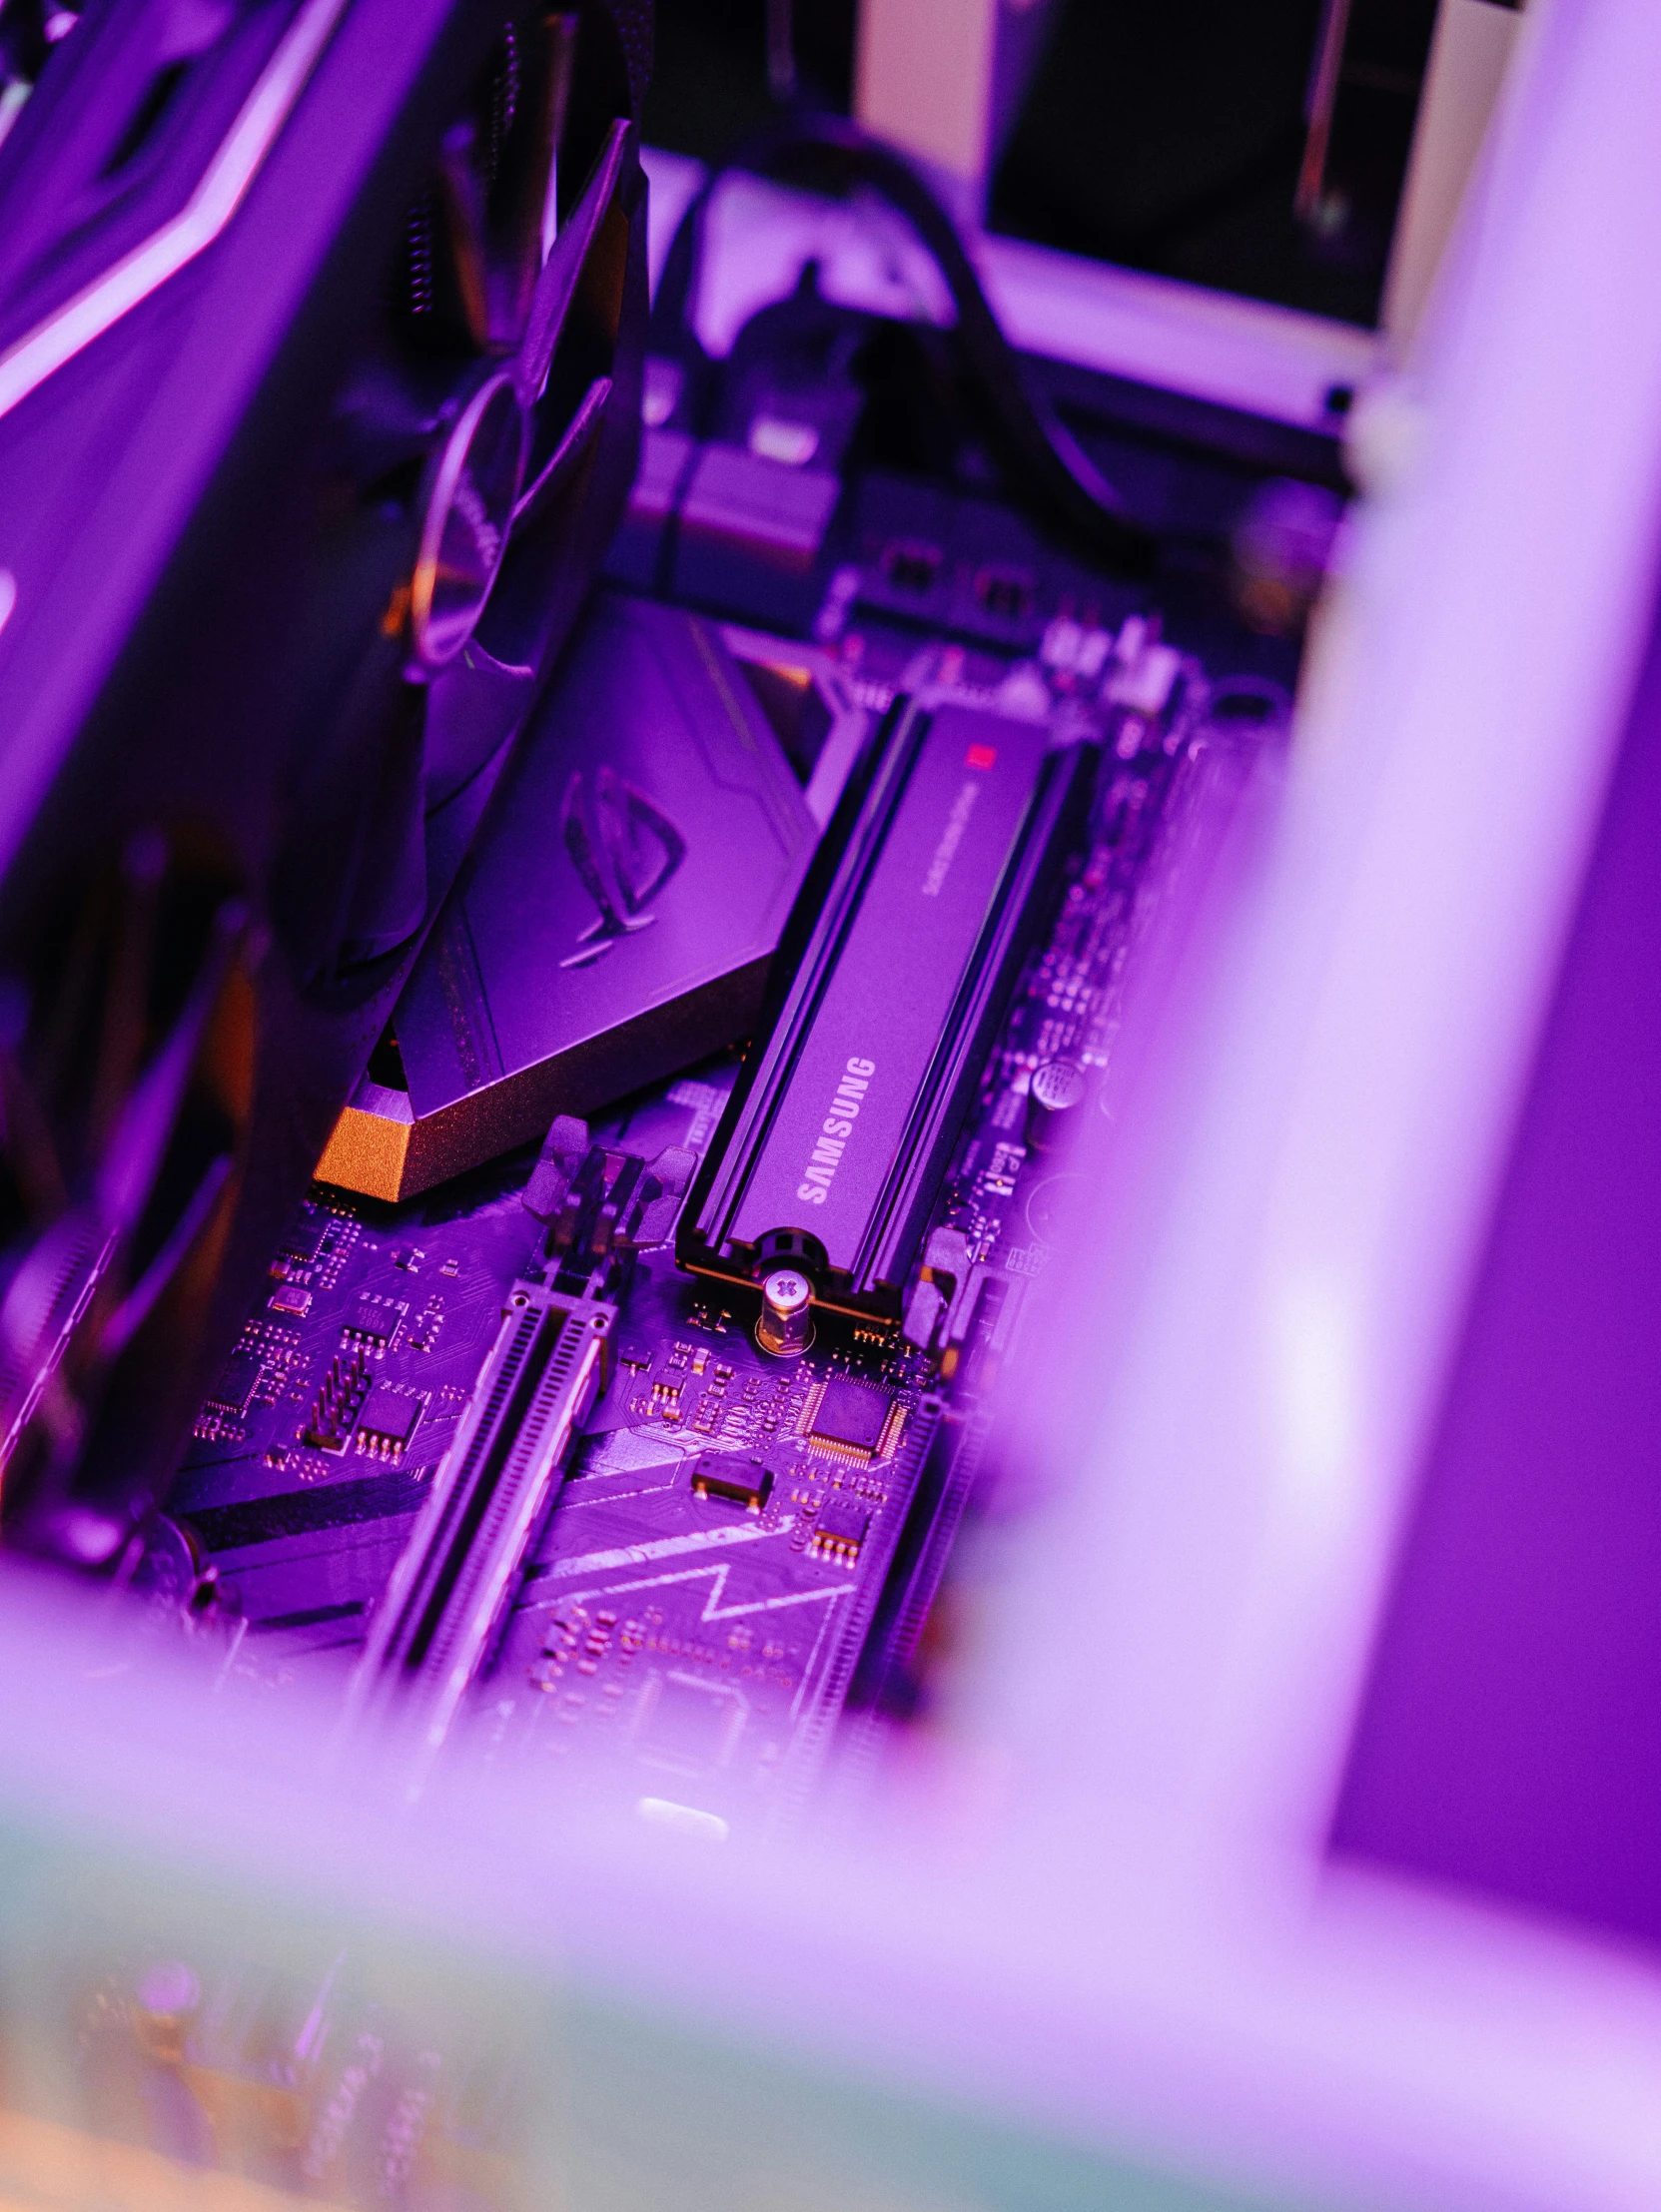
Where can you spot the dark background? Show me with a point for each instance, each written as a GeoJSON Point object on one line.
{"type": "Point", "coordinates": [1164, 135]}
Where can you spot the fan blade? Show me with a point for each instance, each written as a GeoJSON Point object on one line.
{"type": "Point", "coordinates": [474, 707]}
{"type": "Point", "coordinates": [570, 451]}
{"type": "Point", "coordinates": [498, 178]}
{"type": "Point", "coordinates": [529, 93]}
{"type": "Point", "coordinates": [483, 704]}
{"type": "Point", "coordinates": [563, 272]}
{"type": "Point", "coordinates": [562, 33]}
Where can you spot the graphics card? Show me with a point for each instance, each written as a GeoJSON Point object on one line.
{"type": "Point", "coordinates": [320, 334]}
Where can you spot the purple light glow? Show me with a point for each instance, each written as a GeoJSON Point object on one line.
{"type": "Point", "coordinates": [1505, 1738]}
{"type": "Point", "coordinates": [1096, 1914]}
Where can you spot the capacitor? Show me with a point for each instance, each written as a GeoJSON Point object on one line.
{"type": "Point", "coordinates": [1055, 1093]}
{"type": "Point", "coordinates": [786, 1325]}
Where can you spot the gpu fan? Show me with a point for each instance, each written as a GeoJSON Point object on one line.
{"type": "Point", "coordinates": [321, 325]}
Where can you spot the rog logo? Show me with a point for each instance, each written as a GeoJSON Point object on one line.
{"type": "Point", "coordinates": [625, 850]}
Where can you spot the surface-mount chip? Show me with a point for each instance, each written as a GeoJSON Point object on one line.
{"type": "Point", "coordinates": [303, 1240]}
{"type": "Point", "coordinates": [737, 1481]}
{"type": "Point", "coordinates": [388, 1421]}
{"type": "Point", "coordinates": [840, 1533]}
{"type": "Point", "coordinates": [372, 1323]}
{"type": "Point", "coordinates": [850, 1417]}
{"type": "Point", "coordinates": [237, 1383]}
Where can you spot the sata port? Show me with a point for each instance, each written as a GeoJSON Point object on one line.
{"type": "Point", "coordinates": [1005, 593]}
{"type": "Point", "coordinates": [911, 565]}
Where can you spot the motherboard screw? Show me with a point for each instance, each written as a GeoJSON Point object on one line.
{"type": "Point", "coordinates": [785, 1327]}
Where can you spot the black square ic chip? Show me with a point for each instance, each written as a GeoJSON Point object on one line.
{"type": "Point", "coordinates": [372, 1323]}
{"type": "Point", "coordinates": [388, 1421]}
{"type": "Point", "coordinates": [852, 1415]}
{"type": "Point", "coordinates": [839, 1533]}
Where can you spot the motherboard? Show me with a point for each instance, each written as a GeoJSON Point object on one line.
{"type": "Point", "coordinates": [614, 1402]}
{"type": "Point", "coordinates": [583, 1460]}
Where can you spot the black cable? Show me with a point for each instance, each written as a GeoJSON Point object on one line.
{"type": "Point", "coordinates": [829, 149]}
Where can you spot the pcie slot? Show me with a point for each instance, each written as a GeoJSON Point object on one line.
{"type": "Point", "coordinates": [434, 1630]}
{"type": "Point", "coordinates": [843, 1123]}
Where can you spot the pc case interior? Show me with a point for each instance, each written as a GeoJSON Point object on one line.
{"type": "Point", "coordinates": [880, 1622]}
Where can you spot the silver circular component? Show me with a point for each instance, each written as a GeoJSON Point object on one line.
{"type": "Point", "coordinates": [1056, 1089]}
{"type": "Point", "coordinates": [785, 1327]}
{"type": "Point", "coordinates": [469, 510]}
